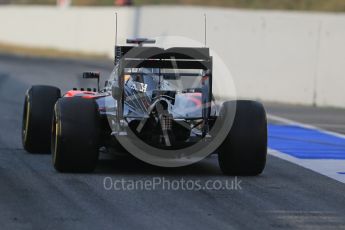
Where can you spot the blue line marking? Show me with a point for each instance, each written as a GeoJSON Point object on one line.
{"type": "Point", "coordinates": [343, 173]}
{"type": "Point", "coordinates": [305, 143]}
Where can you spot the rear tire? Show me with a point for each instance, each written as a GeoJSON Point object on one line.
{"type": "Point", "coordinates": [244, 150]}
{"type": "Point", "coordinates": [37, 117]}
{"type": "Point", "coordinates": [75, 136]}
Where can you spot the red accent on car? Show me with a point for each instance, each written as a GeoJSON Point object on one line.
{"type": "Point", "coordinates": [195, 98]}
{"type": "Point", "coordinates": [79, 93]}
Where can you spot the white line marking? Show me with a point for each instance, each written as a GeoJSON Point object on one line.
{"type": "Point", "coordinates": [320, 125]}
{"type": "Point", "coordinates": [326, 167]}
{"type": "Point", "coordinates": [329, 168]}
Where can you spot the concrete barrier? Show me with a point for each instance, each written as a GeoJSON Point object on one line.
{"type": "Point", "coordinates": [274, 56]}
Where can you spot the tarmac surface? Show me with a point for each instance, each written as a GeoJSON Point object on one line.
{"type": "Point", "coordinates": [34, 196]}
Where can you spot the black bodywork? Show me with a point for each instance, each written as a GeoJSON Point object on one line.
{"type": "Point", "coordinates": [162, 96]}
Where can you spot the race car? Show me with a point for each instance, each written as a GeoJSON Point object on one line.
{"type": "Point", "coordinates": [157, 105]}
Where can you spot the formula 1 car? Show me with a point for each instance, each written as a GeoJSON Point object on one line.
{"type": "Point", "coordinates": [157, 102]}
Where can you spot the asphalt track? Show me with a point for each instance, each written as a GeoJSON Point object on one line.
{"type": "Point", "coordinates": [34, 196]}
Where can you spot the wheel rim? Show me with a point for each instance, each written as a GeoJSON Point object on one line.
{"type": "Point", "coordinates": [26, 117]}
{"type": "Point", "coordinates": [54, 138]}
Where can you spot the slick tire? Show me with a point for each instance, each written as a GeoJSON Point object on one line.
{"type": "Point", "coordinates": [75, 136]}
{"type": "Point", "coordinates": [244, 150]}
{"type": "Point", "coordinates": [37, 117]}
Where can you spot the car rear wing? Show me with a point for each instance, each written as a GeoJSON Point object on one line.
{"type": "Point", "coordinates": [154, 57]}
{"type": "Point", "coordinates": [166, 64]}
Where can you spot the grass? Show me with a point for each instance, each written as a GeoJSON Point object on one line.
{"type": "Point", "coordinates": [306, 5]}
